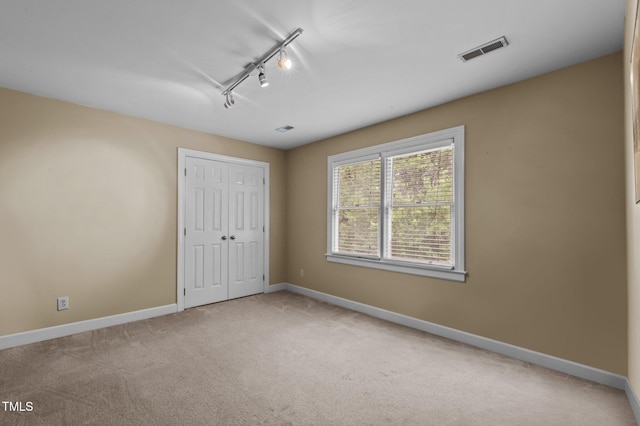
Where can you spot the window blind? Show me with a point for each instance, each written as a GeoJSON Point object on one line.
{"type": "Point", "coordinates": [420, 207]}
{"type": "Point", "coordinates": [357, 202]}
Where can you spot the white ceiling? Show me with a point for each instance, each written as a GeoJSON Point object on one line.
{"type": "Point", "coordinates": [358, 62]}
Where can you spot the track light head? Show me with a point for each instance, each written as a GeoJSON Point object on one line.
{"type": "Point", "coordinates": [283, 60]}
{"type": "Point", "coordinates": [229, 102]}
{"type": "Point", "coordinates": [262, 78]}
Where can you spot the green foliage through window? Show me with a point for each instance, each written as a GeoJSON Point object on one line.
{"type": "Point", "coordinates": [358, 193]}
{"type": "Point", "coordinates": [415, 207]}
{"type": "Point", "coordinates": [420, 193]}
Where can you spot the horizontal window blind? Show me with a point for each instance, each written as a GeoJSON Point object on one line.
{"type": "Point", "coordinates": [420, 207]}
{"type": "Point", "coordinates": [357, 202]}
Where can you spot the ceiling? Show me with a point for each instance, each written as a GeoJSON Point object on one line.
{"type": "Point", "coordinates": [358, 62]}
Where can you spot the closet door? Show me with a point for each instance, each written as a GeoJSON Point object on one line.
{"type": "Point", "coordinates": [206, 231]}
{"type": "Point", "coordinates": [246, 229]}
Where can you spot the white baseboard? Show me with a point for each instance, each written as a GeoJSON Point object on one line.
{"type": "Point", "coordinates": [633, 401]}
{"type": "Point", "coordinates": [275, 287]}
{"type": "Point", "coordinates": [558, 364]}
{"type": "Point", "coordinates": [41, 334]}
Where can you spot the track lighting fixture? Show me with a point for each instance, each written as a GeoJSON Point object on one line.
{"type": "Point", "coordinates": [229, 102]}
{"type": "Point", "coordinates": [262, 78]}
{"type": "Point", "coordinates": [283, 62]}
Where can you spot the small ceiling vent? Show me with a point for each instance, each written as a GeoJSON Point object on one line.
{"type": "Point", "coordinates": [484, 49]}
{"type": "Point", "coordinates": [284, 128]}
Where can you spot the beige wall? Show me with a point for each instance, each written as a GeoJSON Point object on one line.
{"type": "Point", "coordinates": [88, 209]}
{"type": "Point", "coordinates": [545, 240]}
{"type": "Point", "coordinates": [633, 216]}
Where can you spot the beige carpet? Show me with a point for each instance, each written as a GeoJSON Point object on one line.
{"type": "Point", "coordinates": [284, 359]}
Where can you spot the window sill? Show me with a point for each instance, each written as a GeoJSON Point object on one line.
{"type": "Point", "coordinates": [433, 272]}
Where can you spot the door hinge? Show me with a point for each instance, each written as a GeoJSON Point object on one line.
{"type": "Point", "coordinates": [185, 232]}
{"type": "Point", "coordinates": [262, 277]}
{"type": "Point", "coordinates": [263, 229]}
{"type": "Point", "coordinates": [185, 291]}
{"type": "Point", "coordinates": [185, 172]}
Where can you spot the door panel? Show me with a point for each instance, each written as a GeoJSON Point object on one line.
{"type": "Point", "coordinates": [246, 226]}
{"type": "Point", "coordinates": [206, 219]}
{"type": "Point", "coordinates": [198, 266]}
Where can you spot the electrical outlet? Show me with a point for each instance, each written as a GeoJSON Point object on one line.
{"type": "Point", "coordinates": [63, 303]}
{"type": "Point", "coordinates": [301, 272]}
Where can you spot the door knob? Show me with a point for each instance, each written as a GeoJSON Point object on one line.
{"type": "Point", "coordinates": [233, 237]}
{"type": "Point", "coordinates": [224, 237]}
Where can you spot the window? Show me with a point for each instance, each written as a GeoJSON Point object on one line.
{"type": "Point", "coordinates": [399, 206]}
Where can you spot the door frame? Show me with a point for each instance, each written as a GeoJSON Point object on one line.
{"type": "Point", "coordinates": [183, 153]}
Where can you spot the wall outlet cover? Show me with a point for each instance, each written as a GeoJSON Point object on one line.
{"type": "Point", "coordinates": [63, 303]}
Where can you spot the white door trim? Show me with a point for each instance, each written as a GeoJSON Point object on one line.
{"type": "Point", "coordinates": [183, 153]}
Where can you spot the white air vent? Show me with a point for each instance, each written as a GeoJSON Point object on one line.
{"type": "Point", "coordinates": [484, 49]}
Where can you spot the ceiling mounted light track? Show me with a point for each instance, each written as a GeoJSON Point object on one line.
{"type": "Point", "coordinates": [278, 49]}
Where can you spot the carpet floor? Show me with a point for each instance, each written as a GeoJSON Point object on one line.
{"type": "Point", "coordinates": [285, 359]}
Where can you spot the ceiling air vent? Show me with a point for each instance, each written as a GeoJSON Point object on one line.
{"type": "Point", "coordinates": [284, 128]}
{"type": "Point", "coordinates": [484, 49]}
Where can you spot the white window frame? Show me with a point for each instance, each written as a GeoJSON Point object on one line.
{"type": "Point", "coordinates": [453, 136]}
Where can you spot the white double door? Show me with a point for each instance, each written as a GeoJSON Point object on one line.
{"type": "Point", "coordinates": [224, 231]}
